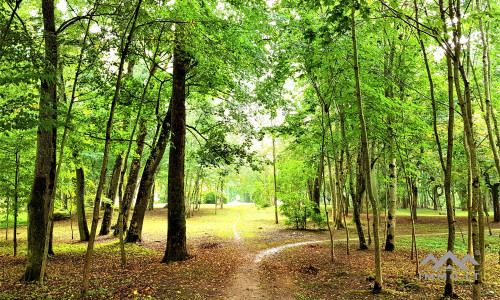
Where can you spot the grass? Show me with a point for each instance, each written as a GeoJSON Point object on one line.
{"type": "Point", "coordinates": [22, 219]}
{"type": "Point", "coordinates": [440, 243]}
{"type": "Point", "coordinates": [429, 212]}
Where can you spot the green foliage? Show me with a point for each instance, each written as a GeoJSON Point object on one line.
{"type": "Point", "coordinates": [299, 213]}
{"type": "Point", "coordinates": [211, 197]}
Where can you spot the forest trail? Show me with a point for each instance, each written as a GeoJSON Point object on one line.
{"type": "Point", "coordinates": [247, 282]}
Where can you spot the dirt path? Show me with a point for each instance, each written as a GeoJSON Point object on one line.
{"type": "Point", "coordinates": [247, 282]}
{"type": "Point", "coordinates": [246, 279]}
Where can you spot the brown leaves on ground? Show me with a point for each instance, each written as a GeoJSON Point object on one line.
{"type": "Point", "coordinates": [203, 276]}
{"type": "Point", "coordinates": [350, 276]}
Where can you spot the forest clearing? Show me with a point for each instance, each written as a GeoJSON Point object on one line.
{"type": "Point", "coordinates": [272, 149]}
{"type": "Point", "coordinates": [224, 267]}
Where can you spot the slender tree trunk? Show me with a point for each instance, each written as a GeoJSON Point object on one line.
{"type": "Point", "coordinates": [45, 163]}
{"type": "Point", "coordinates": [275, 188]}
{"type": "Point", "coordinates": [80, 202]}
{"type": "Point", "coordinates": [97, 201]}
{"type": "Point", "coordinates": [466, 109]}
{"type": "Point", "coordinates": [16, 203]}
{"type": "Point", "coordinates": [147, 180]}
{"type": "Point", "coordinates": [130, 189]}
{"type": "Point", "coordinates": [487, 87]}
{"type": "Point", "coordinates": [333, 194]}
{"type": "Point", "coordinates": [357, 195]}
{"type": "Point", "coordinates": [151, 201]}
{"type": "Point", "coordinates": [7, 220]}
{"type": "Point", "coordinates": [324, 110]}
{"type": "Point", "coordinates": [391, 213]}
{"type": "Point", "coordinates": [377, 287]}
{"type": "Point", "coordinates": [496, 203]}
{"type": "Point", "coordinates": [317, 184]}
{"type": "Point", "coordinates": [222, 193]}
{"type": "Point", "coordinates": [469, 198]}
{"type": "Point", "coordinates": [414, 189]}
{"type": "Point", "coordinates": [112, 193]}
{"type": "Point", "coordinates": [176, 234]}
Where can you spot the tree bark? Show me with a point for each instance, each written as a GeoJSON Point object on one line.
{"type": "Point", "coordinates": [275, 187]}
{"type": "Point", "coordinates": [466, 108]}
{"type": "Point", "coordinates": [151, 201]}
{"type": "Point", "coordinates": [45, 162]}
{"type": "Point", "coordinates": [147, 180]}
{"type": "Point", "coordinates": [112, 193]}
{"type": "Point", "coordinates": [496, 204]}
{"type": "Point", "coordinates": [393, 197]}
{"type": "Point", "coordinates": [377, 287]}
{"type": "Point", "coordinates": [318, 181]}
{"type": "Point", "coordinates": [16, 203]}
{"type": "Point", "coordinates": [130, 189]}
{"type": "Point", "coordinates": [356, 198]}
{"type": "Point", "coordinates": [80, 203]}
{"type": "Point", "coordinates": [176, 235]}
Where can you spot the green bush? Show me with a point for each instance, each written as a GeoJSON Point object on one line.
{"type": "Point", "coordinates": [210, 198]}
{"type": "Point", "coordinates": [259, 199]}
{"type": "Point", "coordinates": [298, 212]}
{"type": "Point", "coordinates": [261, 203]}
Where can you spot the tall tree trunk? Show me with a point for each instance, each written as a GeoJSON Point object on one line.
{"type": "Point", "coordinates": [377, 287]}
{"type": "Point", "coordinates": [176, 234]}
{"type": "Point", "coordinates": [97, 201]}
{"type": "Point", "coordinates": [45, 162]}
{"type": "Point", "coordinates": [466, 109]}
{"type": "Point", "coordinates": [80, 202]}
{"type": "Point", "coordinates": [112, 193]}
{"type": "Point", "coordinates": [393, 179]}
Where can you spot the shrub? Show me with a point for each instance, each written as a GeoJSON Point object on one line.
{"type": "Point", "coordinates": [210, 198]}
{"type": "Point", "coordinates": [298, 212]}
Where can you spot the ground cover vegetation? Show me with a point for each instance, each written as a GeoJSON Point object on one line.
{"type": "Point", "coordinates": [129, 130]}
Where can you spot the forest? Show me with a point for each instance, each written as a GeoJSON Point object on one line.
{"type": "Point", "coordinates": [291, 149]}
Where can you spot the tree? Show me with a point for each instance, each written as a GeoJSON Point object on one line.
{"type": "Point", "coordinates": [45, 164]}
{"type": "Point", "coordinates": [176, 239]}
